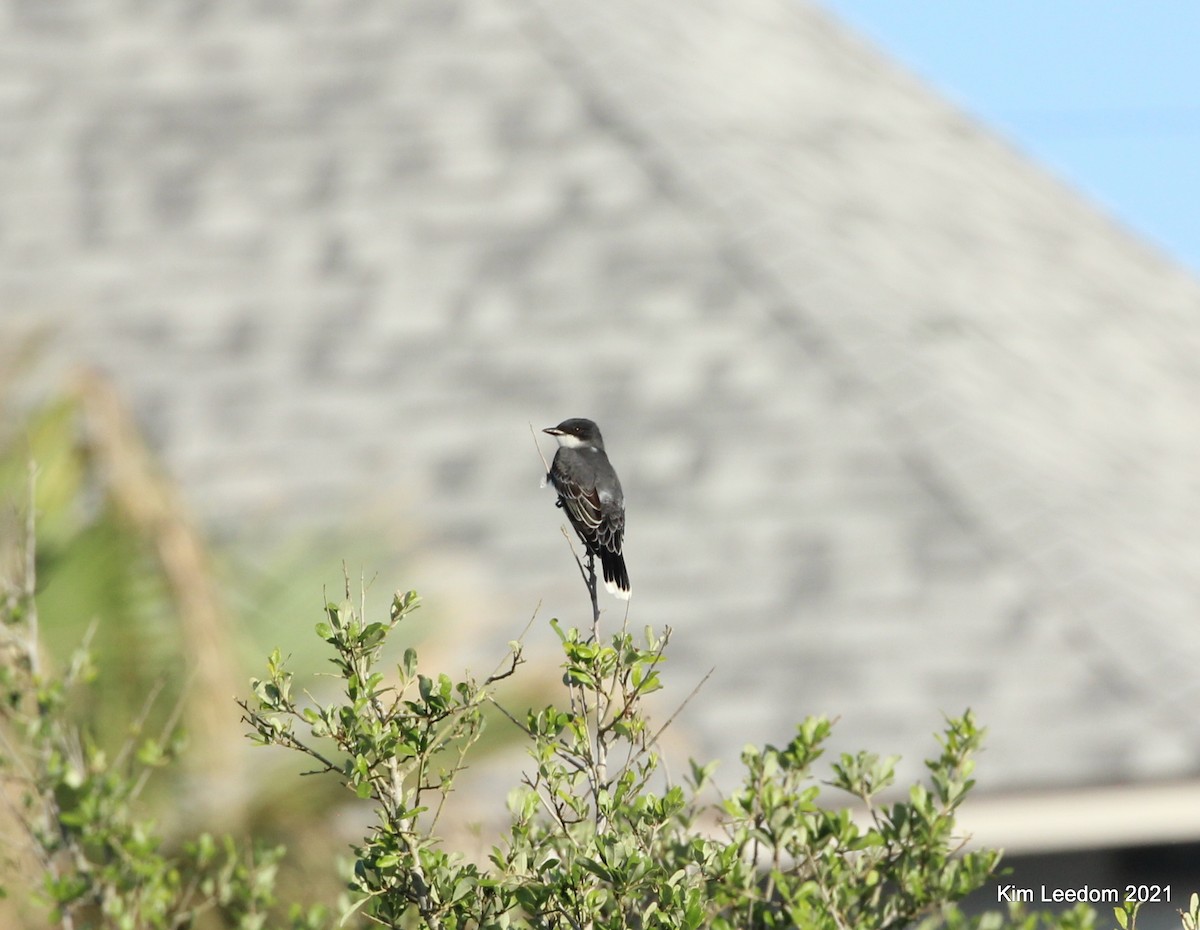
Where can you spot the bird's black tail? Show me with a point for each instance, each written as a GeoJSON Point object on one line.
{"type": "Point", "coordinates": [616, 578]}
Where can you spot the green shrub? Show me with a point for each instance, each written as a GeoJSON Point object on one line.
{"type": "Point", "coordinates": [599, 835]}
{"type": "Point", "coordinates": [76, 841]}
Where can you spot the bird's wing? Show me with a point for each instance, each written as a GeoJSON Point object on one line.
{"type": "Point", "coordinates": [582, 505]}
{"type": "Point", "coordinates": [599, 518]}
{"type": "Point", "coordinates": [611, 528]}
{"type": "Point", "coordinates": [600, 522]}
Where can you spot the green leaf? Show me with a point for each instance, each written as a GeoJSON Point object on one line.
{"type": "Point", "coordinates": [579, 676]}
{"type": "Point", "coordinates": [404, 604]}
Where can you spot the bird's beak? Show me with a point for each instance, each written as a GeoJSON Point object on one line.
{"type": "Point", "coordinates": [553, 431]}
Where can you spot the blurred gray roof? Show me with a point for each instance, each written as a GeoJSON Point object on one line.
{"type": "Point", "coordinates": [904, 425]}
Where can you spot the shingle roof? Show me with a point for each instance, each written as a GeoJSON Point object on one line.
{"type": "Point", "coordinates": [904, 425]}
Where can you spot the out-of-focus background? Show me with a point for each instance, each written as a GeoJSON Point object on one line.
{"type": "Point", "coordinates": [1102, 96]}
{"type": "Point", "coordinates": [905, 424]}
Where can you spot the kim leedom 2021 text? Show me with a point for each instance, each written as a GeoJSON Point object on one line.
{"type": "Point", "coordinates": [1084, 894]}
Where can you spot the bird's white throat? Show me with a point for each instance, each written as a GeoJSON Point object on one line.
{"type": "Point", "coordinates": [567, 441]}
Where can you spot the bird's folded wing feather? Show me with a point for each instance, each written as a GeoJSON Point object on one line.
{"type": "Point", "coordinates": [603, 525]}
{"type": "Point", "coordinates": [583, 505]}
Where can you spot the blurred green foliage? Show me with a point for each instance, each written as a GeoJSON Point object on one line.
{"type": "Point", "coordinates": [171, 623]}
{"type": "Point", "coordinates": [96, 571]}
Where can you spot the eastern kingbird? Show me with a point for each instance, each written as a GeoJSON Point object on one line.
{"type": "Point", "coordinates": [590, 493]}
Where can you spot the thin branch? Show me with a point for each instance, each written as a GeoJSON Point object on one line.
{"type": "Point", "coordinates": [517, 659]}
{"type": "Point", "coordinates": [638, 689]}
{"type": "Point", "coordinates": [443, 786]}
{"type": "Point", "coordinates": [571, 545]}
{"type": "Point", "coordinates": [553, 810]}
{"type": "Point", "coordinates": [139, 722]}
{"type": "Point", "coordinates": [823, 888]}
{"type": "Point", "coordinates": [545, 464]}
{"type": "Point", "coordinates": [591, 586]}
{"type": "Point", "coordinates": [589, 579]}
{"type": "Point", "coordinates": [35, 665]}
{"type": "Point", "coordinates": [679, 709]}
{"type": "Point", "coordinates": [263, 727]}
{"type": "Point", "coordinates": [169, 724]}
{"type": "Point", "coordinates": [517, 723]}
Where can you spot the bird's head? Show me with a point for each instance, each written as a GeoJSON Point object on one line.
{"type": "Point", "coordinates": [576, 433]}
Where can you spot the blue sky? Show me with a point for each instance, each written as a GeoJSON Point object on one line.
{"type": "Point", "coordinates": [1104, 94]}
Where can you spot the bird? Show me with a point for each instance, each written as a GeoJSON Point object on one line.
{"type": "Point", "coordinates": [590, 492]}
